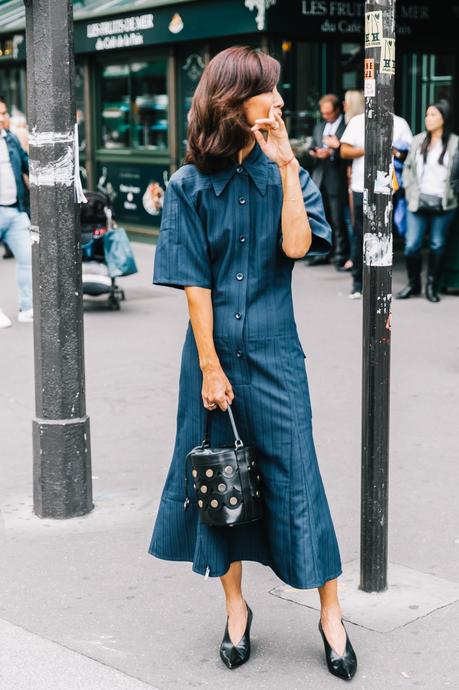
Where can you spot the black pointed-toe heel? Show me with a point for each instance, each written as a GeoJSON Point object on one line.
{"type": "Point", "coordinates": [236, 655]}
{"type": "Point", "coordinates": [343, 666]}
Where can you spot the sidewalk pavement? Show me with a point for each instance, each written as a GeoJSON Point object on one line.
{"type": "Point", "coordinates": [92, 600]}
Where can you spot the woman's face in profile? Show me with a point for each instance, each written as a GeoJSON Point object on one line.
{"type": "Point", "coordinates": [263, 105]}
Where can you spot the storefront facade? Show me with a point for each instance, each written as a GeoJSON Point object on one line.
{"type": "Point", "coordinates": [137, 68]}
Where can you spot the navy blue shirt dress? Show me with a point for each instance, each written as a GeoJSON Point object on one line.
{"type": "Point", "coordinates": [223, 232]}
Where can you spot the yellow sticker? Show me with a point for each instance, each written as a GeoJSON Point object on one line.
{"type": "Point", "coordinates": [387, 65]}
{"type": "Point", "coordinates": [373, 29]}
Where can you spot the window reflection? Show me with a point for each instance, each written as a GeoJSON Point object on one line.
{"type": "Point", "coordinates": [150, 103]}
{"type": "Point", "coordinates": [79, 103]}
{"type": "Point", "coordinates": [115, 106]}
{"type": "Point", "coordinates": [135, 105]}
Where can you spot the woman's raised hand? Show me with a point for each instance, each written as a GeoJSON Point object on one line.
{"type": "Point", "coordinates": [277, 145]}
{"type": "Point", "coordinates": [216, 389]}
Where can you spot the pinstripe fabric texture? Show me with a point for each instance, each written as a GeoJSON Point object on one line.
{"type": "Point", "coordinates": [223, 232]}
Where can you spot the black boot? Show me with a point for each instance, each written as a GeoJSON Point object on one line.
{"type": "Point", "coordinates": [433, 276]}
{"type": "Point", "coordinates": [413, 268]}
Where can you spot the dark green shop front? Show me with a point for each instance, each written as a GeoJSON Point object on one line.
{"type": "Point", "coordinates": [137, 68]}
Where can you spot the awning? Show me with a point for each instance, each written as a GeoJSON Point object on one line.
{"type": "Point", "coordinates": [12, 12]}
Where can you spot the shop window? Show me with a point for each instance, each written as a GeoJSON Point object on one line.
{"type": "Point", "coordinates": [149, 104]}
{"type": "Point", "coordinates": [429, 78]}
{"type": "Point", "coordinates": [134, 104]}
{"type": "Point", "coordinates": [116, 107]}
{"type": "Point", "coordinates": [191, 67]}
{"type": "Point", "coordinates": [80, 109]}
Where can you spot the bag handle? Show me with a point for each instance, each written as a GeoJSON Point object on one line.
{"type": "Point", "coordinates": [237, 439]}
{"type": "Point", "coordinates": [206, 443]}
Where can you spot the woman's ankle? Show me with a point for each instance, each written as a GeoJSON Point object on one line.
{"type": "Point", "coordinates": [235, 604]}
{"type": "Point", "coordinates": [330, 612]}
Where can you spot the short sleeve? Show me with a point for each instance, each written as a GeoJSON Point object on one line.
{"type": "Point", "coordinates": [321, 231]}
{"type": "Point", "coordinates": [182, 256]}
{"type": "Point", "coordinates": [349, 134]}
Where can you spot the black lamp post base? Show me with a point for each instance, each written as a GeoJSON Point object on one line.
{"type": "Point", "coordinates": [62, 468]}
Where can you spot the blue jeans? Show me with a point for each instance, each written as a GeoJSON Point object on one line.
{"type": "Point", "coordinates": [437, 224]}
{"type": "Point", "coordinates": [14, 230]}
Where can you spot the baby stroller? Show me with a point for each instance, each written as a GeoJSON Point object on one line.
{"type": "Point", "coordinates": [106, 252]}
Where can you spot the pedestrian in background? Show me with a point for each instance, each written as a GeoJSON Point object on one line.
{"type": "Point", "coordinates": [14, 221]}
{"type": "Point", "coordinates": [353, 104]}
{"type": "Point", "coordinates": [234, 220]}
{"type": "Point", "coordinates": [352, 148]}
{"type": "Point", "coordinates": [329, 174]}
{"type": "Point", "coordinates": [431, 200]}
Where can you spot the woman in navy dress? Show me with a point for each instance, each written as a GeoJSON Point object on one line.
{"type": "Point", "coordinates": [235, 218]}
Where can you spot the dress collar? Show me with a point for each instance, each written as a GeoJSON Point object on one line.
{"type": "Point", "coordinates": [256, 165]}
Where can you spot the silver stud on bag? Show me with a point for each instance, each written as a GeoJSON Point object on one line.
{"type": "Point", "coordinates": [214, 503]}
{"type": "Point", "coordinates": [200, 503]}
{"type": "Point", "coordinates": [203, 489]}
{"type": "Point", "coordinates": [222, 488]}
{"type": "Point", "coordinates": [209, 473]}
{"type": "Point", "coordinates": [233, 501]}
{"type": "Point", "coordinates": [228, 470]}
{"type": "Point", "coordinates": [194, 473]}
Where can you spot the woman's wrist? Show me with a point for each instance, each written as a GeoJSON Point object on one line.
{"type": "Point", "coordinates": [208, 365]}
{"type": "Point", "coordinates": [291, 161]}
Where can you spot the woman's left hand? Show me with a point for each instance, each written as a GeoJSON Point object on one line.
{"type": "Point", "coordinates": [277, 145]}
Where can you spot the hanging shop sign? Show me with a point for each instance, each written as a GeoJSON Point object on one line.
{"type": "Point", "coordinates": [327, 17]}
{"type": "Point", "coordinates": [167, 24]}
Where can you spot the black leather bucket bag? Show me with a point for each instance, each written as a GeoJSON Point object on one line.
{"type": "Point", "coordinates": [226, 480]}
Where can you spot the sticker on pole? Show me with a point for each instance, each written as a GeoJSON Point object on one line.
{"type": "Point", "coordinates": [369, 68]}
{"type": "Point", "coordinates": [373, 29]}
{"type": "Point", "coordinates": [377, 250]}
{"type": "Point", "coordinates": [387, 65]}
{"type": "Point", "coordinates": [369, 88]}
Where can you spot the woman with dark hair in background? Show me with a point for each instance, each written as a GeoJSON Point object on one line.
{"type": "Point", "coordinates": [431, 200]}
{"type": "Point", "coordinates": [235, 219]}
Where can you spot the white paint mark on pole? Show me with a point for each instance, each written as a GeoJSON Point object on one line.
{"type": "Point", "coordinates": [34, 234]}
{"type": "Point", "coordinates": [383, 182]}
{"type": "Point", "coordinates": [60, 171]}
{"type": "Point", "coordinates": [39, 139]}
{"type": "Point", "coordinates": [377, 249]}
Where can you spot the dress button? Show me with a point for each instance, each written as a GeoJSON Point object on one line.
{"type": "Point", "coordinates": [241, 238]}
{"type": "Point", "coordinates": [239, 170]}
{"type": "Point", "coordinates": [238, 315]}
{"type": "Point", "coordinates": [239, 276]}
{"type": "Point", "coordinates": [242, 200]}
{"type": "Point", "coordinates": [238, 353]}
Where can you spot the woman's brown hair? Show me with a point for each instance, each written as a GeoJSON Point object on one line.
{"type": "Point", "coordinates": [217, 127]}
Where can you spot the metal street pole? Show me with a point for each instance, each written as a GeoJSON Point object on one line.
{"type": "Point", "coordinates": [61, 441]}
{"type": "Point", "coordinates": [377, 290]}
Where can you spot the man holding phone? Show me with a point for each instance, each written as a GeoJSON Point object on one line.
{"type": "Point", "coordinates": [329, 174]}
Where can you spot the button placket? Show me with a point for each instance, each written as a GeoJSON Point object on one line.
{"type": "Point", "coordinates": [243, 263]}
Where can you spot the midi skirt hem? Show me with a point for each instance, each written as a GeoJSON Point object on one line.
{"type": "Point", "coordinates": [200, 571]}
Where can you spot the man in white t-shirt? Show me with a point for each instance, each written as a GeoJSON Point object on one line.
{"type": "Point", "coordinates": [352, 148]}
